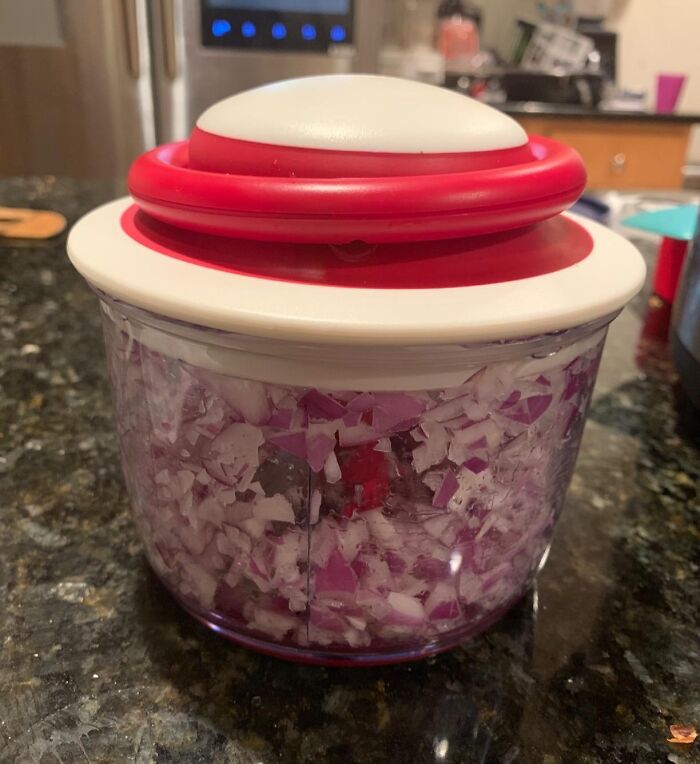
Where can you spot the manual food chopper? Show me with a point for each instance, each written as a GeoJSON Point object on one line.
{"type": "Point", "coordinates": [352, 336]}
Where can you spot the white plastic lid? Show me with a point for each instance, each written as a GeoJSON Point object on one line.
{"type": "Point", "coordinates": [597, 285]}
{"type": "Point", "coordinates": [475, 265]}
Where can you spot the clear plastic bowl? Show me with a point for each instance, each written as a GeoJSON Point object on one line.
{"type": "Point", "coordinates": [345, 505]}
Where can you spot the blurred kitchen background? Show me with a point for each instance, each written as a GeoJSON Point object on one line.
{"type": "Point", "coordinates": [88, 84]}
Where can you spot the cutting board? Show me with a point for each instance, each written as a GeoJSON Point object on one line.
{"type": "Point", "coordinates": [19, 223]}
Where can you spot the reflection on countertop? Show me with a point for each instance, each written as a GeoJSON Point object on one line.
{"type": "Point", "coordinates": [98, 664]}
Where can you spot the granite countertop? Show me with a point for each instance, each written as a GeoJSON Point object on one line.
{"type": "Point", "coordinates": [541, 109]}
{"type": "Point", "coordinates": [99, 665]}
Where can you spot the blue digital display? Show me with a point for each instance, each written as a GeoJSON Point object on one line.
{"type": "Point", "coordinates": [220, 27]}
{"type": "Point", "coordinates": [303, 26]}
{"type": "Point", "coordinates": [339, 7]}
{"type": "Point", "coordinates": [248, 30]}
{"type": "Point", "coordinates": [338, 33]}
{"type": "Point", "coordinates": [308, 31]}
{"type": "Point", "coordinates": [279, 31]}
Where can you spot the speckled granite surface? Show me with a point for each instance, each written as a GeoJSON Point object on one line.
{"type": "Point", "coordinates": [98, 665]}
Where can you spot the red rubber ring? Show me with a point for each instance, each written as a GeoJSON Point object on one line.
{"type": "Point", "coordinates": [373, 209]}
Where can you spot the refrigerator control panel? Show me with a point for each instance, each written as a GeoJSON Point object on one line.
{"type": "Point", "coordinates": [285, 25]}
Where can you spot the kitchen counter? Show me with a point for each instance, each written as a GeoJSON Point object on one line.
{"type": "Point", "coordinates": [99, 665]}
{"type": "Point", "coordinates": [541, 109]}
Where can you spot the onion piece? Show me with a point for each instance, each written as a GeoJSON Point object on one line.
{"type": "Point", "coordinates": [392, 410]}
{"type": "Point", "coordinates": [281, 419]}
{"type": "Point", "coordinates": [331, 468]}
{"type": "Point", "coordinates": [336, 577]}
{"type": "Point", "coordinates": [530, 409]}
{"type": "Point", "coordinates": [293, 442]}
{"type": "Point", "coordinates": [275, 508]}
{"type": "Point", "coordinates": [318, 448]}
{"type": "Point", "coordinates": [361, 402]}
{"type": "Point", "coordinates": [383, 446]}
{"type": "Point", "coordinates": [246, 397]}
{"type": "Point", "coordinates": [405, 610]}
{"type": "Point", "coordinates": [475, 464]}
{"type": "Point", "coordinates": [446, 490]}
{"type": "Point", "coordinates": [314, 506]}
{"type": "Point", "coordinates": [322, 406]}
{"type": "Point", "coordinates": [434, 449]}
{"type": "Point", "coordinates": [444, 592]}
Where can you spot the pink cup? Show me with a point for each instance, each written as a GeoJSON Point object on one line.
{"type": "Point", "coordinates": [668, 90]}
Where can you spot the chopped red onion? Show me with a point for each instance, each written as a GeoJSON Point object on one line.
{"type": "Point", "coordinates": [446, 490]}
{"type": "Point", "coordinates": [348, 519]}
{"type": "Point", "coordinates": [352, 418]}
{"type": "Point", "coordinates": [315, 507]}
{"type": "Point", "coordinates": [331, 468]}
{"type": "Point", "coordinates": [404, 610]}
{"type": "Point", "coordinates": [383, 445]}
{"type": "Point", "coordinates": [530, 409]}
{"type": "Point", "coordinates": [475, 464]}
{"type": "Point", "coordinates": [245, 397]}
{"type": "Point", "coordinates": [281, 419]}
{"type": "Point", "coordinates": [357, 435]}
{"type": "Point", "coordinates": [511, 400]}
{"type": "Point", "coordinates": [322, 406]}
{"type": "Point", "coordinates": [336, 577]}
{"type": "Point", "coordinates": [392, 409]}
{"type": "Point", "coordinates": [442, 604]}
{"type": "Point", "coordinates": [293, 442]}
{"type": "Point", "coordinates": [276, 508]}
{"type": "Point", "coordinates": [434, 449]}
{"type": "Point", "coordinates": [361, 402]}
{"type": "Point", "coordinates": [318, 448]}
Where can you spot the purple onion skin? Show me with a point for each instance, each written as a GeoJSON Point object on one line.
{"type": "Point", "coordinates": [411, 546]}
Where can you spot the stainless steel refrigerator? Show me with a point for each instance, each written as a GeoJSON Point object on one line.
{"type": "Point", "coordinates": [88, 84]}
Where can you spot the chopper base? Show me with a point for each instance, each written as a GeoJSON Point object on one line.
{"type": "Point", "coordinates": [341, 658]}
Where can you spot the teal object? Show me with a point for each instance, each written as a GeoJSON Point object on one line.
{"type": "Point", "coordinates": [675, 222]}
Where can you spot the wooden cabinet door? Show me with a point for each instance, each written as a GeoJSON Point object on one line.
{"type": "Point", "coordinates": [621, 154]}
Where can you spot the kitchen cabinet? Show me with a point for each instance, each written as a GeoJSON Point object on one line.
{"type": "Point", "coordinates": [621, 153]}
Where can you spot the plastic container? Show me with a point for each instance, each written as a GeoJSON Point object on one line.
{"type": "Point", "coordinates": [351, 362]}
{"type": "Point", "coordinates": [668, 91]}
{"type": "Point", "coordinates": [457, 35]}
